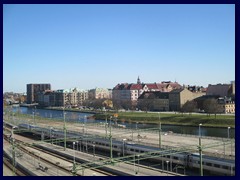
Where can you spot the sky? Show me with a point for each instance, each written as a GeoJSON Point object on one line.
{"type": "Point", "coordinates": [89, 46]}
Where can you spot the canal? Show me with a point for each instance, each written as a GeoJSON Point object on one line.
{"type": "Point", "coordinates": [83, 117]}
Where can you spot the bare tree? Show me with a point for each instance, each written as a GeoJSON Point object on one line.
{"type": "Point", "coordinates": [211, 106]}
{"type": "Point", "coordinates": [189, 106]}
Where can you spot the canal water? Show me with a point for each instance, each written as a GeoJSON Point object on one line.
{"type": "Point", "coordinates": [83, 117]}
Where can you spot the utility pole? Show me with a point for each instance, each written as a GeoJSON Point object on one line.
{"type": "Point", "coordinates": [106, 126]}
{"type": "Point", "coordinates": [160, 129]}
{"type": "Point", "coordinates": [200, 157]}
{"type": "Point", "coordinates": [13, 153]}
{"type": "Point", "coordinates": [65, 133]}
{"type": "Point", "coordinates": [110, 137]}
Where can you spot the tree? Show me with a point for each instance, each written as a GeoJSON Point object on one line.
{"type": "Point", "coordinates": [189, 106]}
{"type": "Point", "coordinates": [108, 103]}
{"type": "Point", "coordinates": [211, 106]}
{"type": "Point", "coordinates": [117, 104]}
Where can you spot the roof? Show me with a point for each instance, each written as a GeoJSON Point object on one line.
{"type": "Point", "coordinates": [154, 95]}
{"type": "Point", "coordinates": [176, 91]}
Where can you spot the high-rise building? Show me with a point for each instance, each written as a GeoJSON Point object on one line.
{"type": "Point", "coordinates": [34, 89]}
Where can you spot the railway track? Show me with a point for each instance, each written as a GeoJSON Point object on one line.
{"type": "Point", "coordinates": [18, 171]}
{"type": "Point", "coordinates": [26, 148]}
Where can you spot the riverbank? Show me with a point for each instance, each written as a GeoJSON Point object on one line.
{"type": "Point", "coordinates": [70, 110]}
{"type": "Point", "coordinates": [172, 119]}
{"type": "Point", "coordinates": [166, 118]}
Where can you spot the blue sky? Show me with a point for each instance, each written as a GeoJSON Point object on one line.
{"type": "Point", "coordinates": [90, 46]}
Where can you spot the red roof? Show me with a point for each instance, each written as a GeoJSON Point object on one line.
{"type": "Point", "coordinates": [136, 86]}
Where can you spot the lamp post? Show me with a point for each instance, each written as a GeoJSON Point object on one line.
{"type": "Point", "coordinates": [74, 163]}
{"type": "Point", "coordinates": [229, 132]}
{"type": "Point", "coordinates": [51, 134]}
{"type": "Point", "coordinates": [83, 129]}
{"type": "Point", "coordinates": [13, 152]}
{"type": "Point", "coordinates": [137, 130]}
{"type": "Point", "coordinates": [77, 145]}
{"type": "Point", "coordinates": [34, 117]}
{"type": "Point", "coordinates": [80, 145]}
{"type": "Point", "coordinates": [200, 130]}
{"type": "Point", "coordinates": [106, 126]}
{"type": "Point", "coordinates": [110, 137]}
{"type": "Point", "coordinates": [74, 152]}
{"type": "Point", "coordinates": [200, 157]}
{"type": "Point", "coordinates": [160, 129]}
{"type": "Point", "coordinates": [93, 152]}
{"type": "Point", "coordinates": [123, 145]}
{"type": "Point", "coordinates": [65, 131]}
{"type": "Point", "coordinates": [138, 162]}
{"type": "Point", "coordinates": [167, 167]}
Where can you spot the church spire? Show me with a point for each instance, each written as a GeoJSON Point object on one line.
{"type": "Point", "coordinates": [138, 80]}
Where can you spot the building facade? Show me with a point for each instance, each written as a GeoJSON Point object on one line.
{"type": "Point", "coordinates": [221, 90]}
{"type": "Point", "coordinates": [72, 97]}
{"type": "Point", "coordinates": [159, 100]}
{"type": "Point", "coordinates": [99, 93]}
{"type": "Point", "coordinates": [33, 91]}
{"type": "Point", "coordinates": [178, 97]}
{"type": "Point", "coordinates": [131, 92]}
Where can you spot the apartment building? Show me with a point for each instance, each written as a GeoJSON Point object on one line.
{"type": "Point", "coordinates": [178, 97]}
{"type": "Point", "coordinates": [63, 97]}
{"type": "Point", "coordinates": [34, 89]}
{"type": "Point", "coordinates": [221, 89]}
{"type": "Point", "coordinates": [99, 93]}
{"type": "Point", "coordinates": [133, 91]}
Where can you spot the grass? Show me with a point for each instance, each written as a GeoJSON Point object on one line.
{"type": "Point", "coordinates": [176, 119]}
{"type": "Point", "coordinates": [173, 118]}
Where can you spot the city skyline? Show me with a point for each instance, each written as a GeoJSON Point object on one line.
{"type": "Point", "coordinates": [90, 46]}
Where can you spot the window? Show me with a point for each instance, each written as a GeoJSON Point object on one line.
{"type": "Point", "coordinates": [217, 165]}
{"type": "Point", "coordinates": [225, 167]}
{"type": "Point", "coordinates": [208, 164]}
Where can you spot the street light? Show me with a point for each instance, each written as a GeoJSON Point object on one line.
{"type": "Point", "coordinates": [160, 129]}
{"type": "Point", "coordinates": [34, 117]}
{"type": "Point", "coordinates": [137, 130]}
{"type": "Point", "coordinates": [138, 162]}
{"type": "Point", "coordinates": [123, 145]}
{"type": "Point", "coordinates": [13, 151]}
{"type": "Point", "coordinates": [65, 131]}
{"type": "Point", "coordinates": [77, 145]}
{"type": "Point", "coordinates": [83, 129]}
{"type": "Point", "coordinates": [228, 132]}
{"type": "Point", "coordinates": [93, 152]}
{"type": "Point", "coordinates": [51, 134]}
{"type": "Point", "coordinates": [200, 130]}
{"type": "Point", "coordinates": [74, 163]}
{"type": "Point", "coordinates": [167, 167]}
{"type": "Point", "coordinates": [74, 152]}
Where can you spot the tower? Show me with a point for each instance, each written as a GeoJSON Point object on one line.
{"type": "Point", "coordinates": [138, 80]}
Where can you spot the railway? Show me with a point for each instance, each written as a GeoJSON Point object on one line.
{"type": "Point", "coordinates": [33, 151]}
{"type": "Point", "coordinates": [8, 163]}
{"type": "Point", "coordinates": [182, 156]}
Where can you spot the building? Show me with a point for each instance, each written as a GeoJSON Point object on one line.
{"type": "Point", "coordinates": [158, 101]}
{"type": "Point", "coordinates": [127, 92]}
{"type": "Point", "coordinates": [221, 89]}
{"type": "Point", "coordinates": [178, 97]}
{"type": "Point", "coordinates": [131, 92]}
{"type": "Point", "coordinates": [33, 91]}
{"type": "Point", "coordinates": [99, 93]}
{"type": "Point", "coordinates": [72, 97]}
{"type": "Point", "coordinates": [226, 106]}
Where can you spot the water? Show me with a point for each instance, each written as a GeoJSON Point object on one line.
{"type": "Point", "coordinates": [83, 117]}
